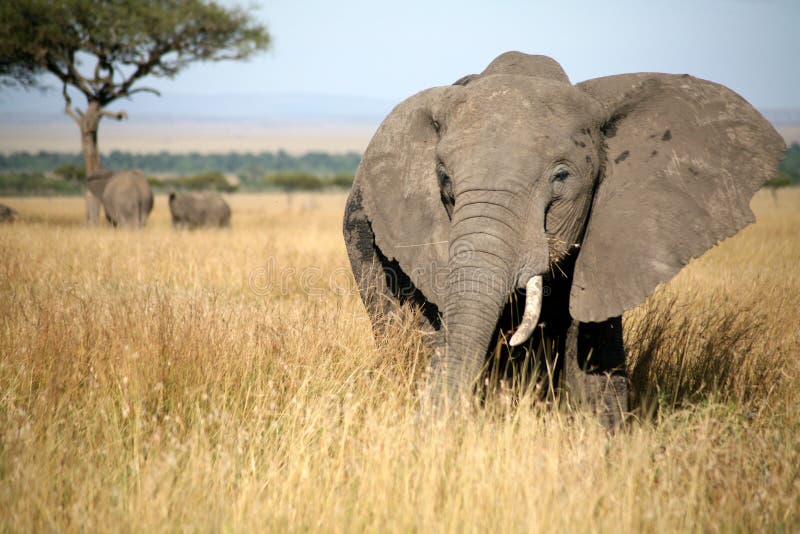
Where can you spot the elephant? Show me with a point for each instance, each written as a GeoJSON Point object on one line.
{"type": "Point", "coordinates": [8, 214]}
{"type": "Point", "coordinates": [516, 210]}
{"type": "Point", "coordinates": [126, 196]}
{"type": "Point", "coordinates": [193, 210]}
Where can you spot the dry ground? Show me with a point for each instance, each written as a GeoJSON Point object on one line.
{"type": "Point", "coordinates": [227, 380]}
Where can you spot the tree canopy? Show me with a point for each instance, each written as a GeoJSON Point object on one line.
{"type": "Point", "coordinates": [125, 40]}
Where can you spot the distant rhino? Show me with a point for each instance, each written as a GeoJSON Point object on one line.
{"type": "Point", "coordinates": [8, 214]}
{"type": "Point", "coordinates": [193, 210]}
{"type": "Point", "coordinates": [126, 196]}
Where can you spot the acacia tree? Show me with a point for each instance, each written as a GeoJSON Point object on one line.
{"type": "Point", "coordinates": [105, 49]}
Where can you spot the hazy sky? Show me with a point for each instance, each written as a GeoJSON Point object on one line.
{"type": "Point", "coordinates": [391, 49]}
{"type": "Point", "coordinates": [388, 50]}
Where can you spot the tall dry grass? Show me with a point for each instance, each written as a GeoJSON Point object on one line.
{"type": "Point", "coordinates": [227, 380]}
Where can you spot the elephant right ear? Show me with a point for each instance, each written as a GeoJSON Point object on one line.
{"type": "Point", "coordinates": [684, 156]}
{"type": "Point", "coordinates": [401, 192]}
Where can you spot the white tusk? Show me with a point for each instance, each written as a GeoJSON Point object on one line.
{"type": "Point", "coordinates": [533, 307]}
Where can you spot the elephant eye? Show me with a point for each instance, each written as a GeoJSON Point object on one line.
{"type": "Point", "coordinates": [560, 175]}
{"type": "Point", "coordinates": [446, 190]}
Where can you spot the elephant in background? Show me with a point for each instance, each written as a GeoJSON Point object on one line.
{"type": "Point", "coordinates": [126, 196]}
{"type": "Point", "coordinates": [193, 210]}
{"type": "Point", "coordinates": [8, 214]}
{"type": "Point", "coordinates": [577, 199]}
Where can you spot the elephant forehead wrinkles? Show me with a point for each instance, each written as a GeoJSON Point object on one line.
{"type": "Point", "coordinates": [496, 145]}
{"type": "Point", "coordinates": [539, 126]}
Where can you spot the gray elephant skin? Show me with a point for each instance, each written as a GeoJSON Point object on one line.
{"type": "Point", "coordinates": [8, 214]}
{"type": "Point", "coordinates": [192, 210]}
{"type": "Point", "coordinates": [514, 202]}
{"type": "Point", "coordinates": [126, 196]}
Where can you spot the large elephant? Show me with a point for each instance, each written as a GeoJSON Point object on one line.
{"type": "Point", "coordinates": [583, 198]}
{"type": "Point", "coordinates": [197, 209]}
{"type": "Point", "coordinates": [126, 196]}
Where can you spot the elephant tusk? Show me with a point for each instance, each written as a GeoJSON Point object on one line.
{"type": "Point", "coordinates": [533, 307]}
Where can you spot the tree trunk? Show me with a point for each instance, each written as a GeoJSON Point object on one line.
{"type": "Point", "coordinates": [89, 124]}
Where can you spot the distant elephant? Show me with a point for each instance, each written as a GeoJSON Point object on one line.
{"type": "Point", "coordinates": [8, 214]}
{"type": "Point", "coordinates": [199, 209]}
{"type": "Point", "coordinates": [126, 196]}
{"type": "Point", "coordinates": [580, 199]}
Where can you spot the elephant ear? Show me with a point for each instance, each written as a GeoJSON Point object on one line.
{"type": "Point", "coordinates": [401, 192]}
{"type": "Point", "coordinates": [684, 157]}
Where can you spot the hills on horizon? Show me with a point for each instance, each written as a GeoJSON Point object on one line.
{"type": "Point", "coordinates": [33, 106]}
{"type": "Point", "coordinates": [295, 122]}
{"type": "Point", "coordinates": [30, 106]}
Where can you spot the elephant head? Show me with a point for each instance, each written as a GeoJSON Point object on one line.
{"type": "Point", "coordinates": [482, 188]}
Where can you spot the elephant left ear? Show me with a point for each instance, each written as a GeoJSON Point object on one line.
{"type": "Point", "coordinates": [684, 157]}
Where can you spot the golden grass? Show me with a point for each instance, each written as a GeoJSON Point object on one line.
{"type": "Point", "coordinates": [163, 380]}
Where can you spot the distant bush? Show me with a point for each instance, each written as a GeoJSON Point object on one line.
{"type": "Point", "coordinates": [71, 171]}
{"type": "Point", "coordinates": [790, 166]}
{"type": "Point", "coordinates": [294, 181]}
{"type": "Point", "coordinates": [211, 180]}
{"type": "Point", "coordinates": [206, 180]}
{"type": "Point", "coordinates": [779, 181]}
{"type": "Point", "coordinates": [303, 181]}
{"type": "Point", "coordinates": [342, 180]}
{"type": "Point", "coordinates": [36, 183]}
{"type": "Point", "coordinates": [251, 167]}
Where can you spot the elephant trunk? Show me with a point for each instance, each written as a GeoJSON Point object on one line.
{"type": "Point", "coordinates": [492, 251]}
{"type": "Point", "coordinates": [481, 266]}
{"type": "Point", "coordinates": [479, 295]}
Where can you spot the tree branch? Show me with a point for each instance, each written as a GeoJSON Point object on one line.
{"type": "Point", "coordinates": [103, 64]}
{"type": "Point", "coordinates": [68, 109]}
{"type": "Point", "coordinates": [144, 90]}
{"type": "Point", "coordinates": [76, 78]}
{"type": "Point", "coordinates": [71, 77]}
{"type": "Point", "coordinates": [117, 115]}
{"type": "Point", "coordinates": [142, 69]}
{"type": "Point", "coordinates": [54, 68]}
{"type": "Point", "coordinates": [97, 68]}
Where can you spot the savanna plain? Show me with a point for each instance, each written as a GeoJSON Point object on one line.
{"type": "Point", "coordinates": [167, 380]}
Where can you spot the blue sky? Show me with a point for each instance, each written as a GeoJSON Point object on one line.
{"type": "Point", "coordinates": [386, 51]}
{"type": "Point", "coordinates": [392, 49]}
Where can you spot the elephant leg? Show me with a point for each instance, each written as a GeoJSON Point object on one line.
{"type": "Point", "coordinates": [593, 373]}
